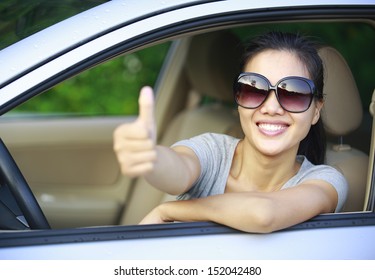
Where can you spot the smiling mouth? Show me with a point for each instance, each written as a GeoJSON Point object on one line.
{"type": "Point", "coordinates": [271, 128]}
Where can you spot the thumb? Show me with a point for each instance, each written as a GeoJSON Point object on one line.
{"type": "Point", "coordinates": [146, 109]}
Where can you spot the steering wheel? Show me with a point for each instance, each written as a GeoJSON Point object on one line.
{"type": "Point", "coordinates": [17, 189]}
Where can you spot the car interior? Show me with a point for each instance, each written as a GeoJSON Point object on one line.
{"type": "Point", "coordinates": [71, 167]}
{"type": "Point", "coordinates": [211, 65]}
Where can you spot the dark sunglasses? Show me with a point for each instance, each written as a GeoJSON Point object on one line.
{"type": "Point", "coordinates": [294, 94]}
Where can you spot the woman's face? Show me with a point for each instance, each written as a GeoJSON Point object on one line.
{"type": "Point", "coordinates": [269, 128]}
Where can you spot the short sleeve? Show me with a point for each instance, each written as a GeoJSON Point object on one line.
{"type": "Point", "coordinates": [333, 177]}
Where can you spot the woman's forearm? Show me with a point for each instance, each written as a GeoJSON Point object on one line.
{"type": "Point", "coordinates": [252, 211]}
{"type": "Point", "coordinates": [173, 172]}
{"type": "Point", "coordinates": [242, 211]}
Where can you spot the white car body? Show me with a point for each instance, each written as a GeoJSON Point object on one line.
{"type": "Point", "coordinates": [39, 62]}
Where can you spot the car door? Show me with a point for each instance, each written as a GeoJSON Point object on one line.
{"type": "Point", "coordinates": [344, 235]}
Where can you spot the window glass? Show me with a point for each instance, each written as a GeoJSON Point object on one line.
{"type": "Point", "coordinates": [19, 19]}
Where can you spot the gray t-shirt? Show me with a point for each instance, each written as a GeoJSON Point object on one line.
{"type": "Point", "coordinates": [215, 153]}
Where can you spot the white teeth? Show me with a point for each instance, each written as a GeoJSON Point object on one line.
{"type": "Point", "coordinates": [271, 127]}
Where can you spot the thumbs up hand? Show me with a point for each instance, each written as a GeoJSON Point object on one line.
{"type": "Point", "coordinates": [134, 143]}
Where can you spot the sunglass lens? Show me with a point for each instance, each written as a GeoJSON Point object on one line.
{"type": "Point", "coordinates": [294, 95]}
{"type": "Point", "coordinates": [251, 91]}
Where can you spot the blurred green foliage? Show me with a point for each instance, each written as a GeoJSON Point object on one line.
{"type": "Point", "coordinates": [108, 89]}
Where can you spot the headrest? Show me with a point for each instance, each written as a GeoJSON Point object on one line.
{"type": "Point", "coordinates": [213, 63]}
{"type": "Point", "coordinates": [342, 111]}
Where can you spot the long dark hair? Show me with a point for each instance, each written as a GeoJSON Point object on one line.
{"type": "Point", "coordinates": [313, 146]}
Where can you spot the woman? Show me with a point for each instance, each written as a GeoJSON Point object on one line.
{"type": "Point", "coordinates": [274, 177]}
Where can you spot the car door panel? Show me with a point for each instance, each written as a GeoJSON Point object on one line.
{"type": "Point", "coordinates": [70, 165]}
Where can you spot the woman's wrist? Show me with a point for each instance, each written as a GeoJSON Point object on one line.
{"type": "Point", "coordinates": [184, 211]}
{"type": "Point", "coordinates": [164, 211]}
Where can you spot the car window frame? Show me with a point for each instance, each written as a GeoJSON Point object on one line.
{"type": "Point", "coordinates": [174, 31]}
{"type": "Point", "coordinates": [135, 232]}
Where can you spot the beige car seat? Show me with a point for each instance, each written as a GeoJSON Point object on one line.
{"type": "Point", "coordinates": [342, 115]}
{"type": "Point", "coordinates": [211, 66]}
